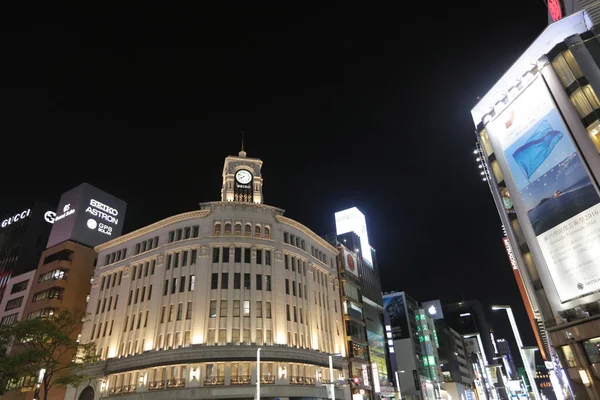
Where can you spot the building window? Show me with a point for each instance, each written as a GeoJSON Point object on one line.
{"type": "Point", "coordinates": [14, 303]}
{"type": "Point", "coordinates": [225, 280]}
{"type": "Point", "coordinates": [188, 313]}
{"type": "Point", "coordinates": [213, 309]}
{"type": "Point", "coordinates": [246, 308]}
{"type": "Point", "coordinates": [215, 254]}
{"type": "Point", "coordinates": [569, 356]}
{"type": "Point", "coordinates": [238, 255]}
{"type": "Point", "coordinates": [223, 311]}
{"type": "Point", "coordinates": [286, 261]}
{"type": "Point", "coordinates": [11, 319]}
{"type": "Point", "coordinates": [268, 309]}
{"type": "Point", "coordinates": [192, 257]}
{"type": "Point", "coordinates": [258, 281]}
{"type": "Point", "coordinates": [247, 259]}
{"type": "Point", "coordinates": [214, 282]}
{"type": "Point", "coordinates": [19, 287]}
{"type": "Point", "coordinates": [236, 308]}
{"type": "Point", "coordinates": [268, 283]}
{"type": "Point", "coordinates": [52, 293]}
{"type": "Point", "coordinates": [192, 283]}
{"type": "Point", "coordinates": [267, 232]}
{"type": "Point", "coordinates": [287, 286]}
{"type": "Point", "coordinates": [228, 228]}
{"type": "Point", "coordinates": [267, 257]}
{"type": "Point", "coordinates": [247, 281]}
{"type": "Point", "coordinates": [237, 280]}
{"type": "Point", "coordinates": [182, 285]}
{"type": "Point", "coordinates": [225, 254]}
{"type": "Point", "coordinates": [259, 309]}
{"type": "Point", "coordinates": [187, 233]}
{"type": "Point", "coordinates": [195, 231]}
{"type": "Point", "coordinates": [179, 311]}
{"type": "Point", "coordinates": [57, 274]}
{"type": "Point", "coordinates": [287, 311]}
{"type": "Point", "coordinates": [171, 236]}
{"type": "Point", "coordinates": [171, 312]}
{"type": "Point", "coordinates": [248, 231]}
{"type": "Point", "coordinates": [257, 231]}
{"type": "Point", "coordinates": [238, 229]}
{"type": "Point", "coordinates": [259, 254]}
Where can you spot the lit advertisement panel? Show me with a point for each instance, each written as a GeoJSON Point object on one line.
{"type": "Point", "coordinates": [433, 308]}
{"type": "Point", "coordinates": [377, 353]}
{"type": "Point", "coordinates": [349, 261]}
{"type": "Point", "coordinates": [554, 187]}
{"type": "Point", "coordinates": [87, 215]}
{"type": "Point", "coordinates": [352, 220]}
{"type": "Point", "coordinates": [395, 315]}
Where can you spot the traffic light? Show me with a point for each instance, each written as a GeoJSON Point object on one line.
{"type": "Point", "coordinates": [355, 381]}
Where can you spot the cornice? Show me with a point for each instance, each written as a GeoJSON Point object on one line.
{"type": "Point", "coordinates": [308, 232]}
{"type": "Point", "coordinates": [152, 227]}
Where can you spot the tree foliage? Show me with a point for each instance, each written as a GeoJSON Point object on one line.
{"type": "Point", "coordinates": [48, 345]}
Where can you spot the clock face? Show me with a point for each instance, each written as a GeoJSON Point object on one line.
{"type": "Point", "coordinates": [243, 176]}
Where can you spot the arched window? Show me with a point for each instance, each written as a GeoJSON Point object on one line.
{"type": "Point", "coordinates": [267, 232]}
{"type": "Point", "coordinates": [238, 229]}
{"type": "Point", "coordinates": [257, 231]}
{"type": "Point", "coordinates": [228, 228]}
{"type": "Point", "coordinates": [87, 394]}
{"type": "Point", "coordinates": [217, 230]}
{"type": "Point", "coordinates": [248, 230]}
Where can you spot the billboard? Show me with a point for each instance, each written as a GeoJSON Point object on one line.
{"type": "Point", "coordinates": [349, 261]}
{"type": "Point", "coordinates": [377, 354]}
{"type": "Point", "coordinates": [395, 315]}
{"type": "Point", "coordinates": [87, 215]}
{"type": "Point", "coordinates": [554, 189]}
{"type": "Point", "coordinates": [433, 308]}
{"type": "Point", "coordinates": [352, 220]}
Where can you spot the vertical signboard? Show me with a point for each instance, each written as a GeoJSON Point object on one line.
{"type": "Point", "coordinates": [349, 261]}
{"type": "Point", "coordinates": [87, 215]}
{"type": "Point", "coordinates": [377, 353]}
{"type": "Point", "coordinates": [395, 314]}
{"type": "Point", "coordinates": [554, 189]}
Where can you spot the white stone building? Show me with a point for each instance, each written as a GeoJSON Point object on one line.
{"type": "Point", "coordinates": [179, 308]}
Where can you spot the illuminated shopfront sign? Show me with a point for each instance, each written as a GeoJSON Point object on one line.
{"type": "Point", "coordinates": [87, 215]}
{"type": "Point", "coordinates": [352, 220]}
{"type": "Point", "coordinates": [20, 216]}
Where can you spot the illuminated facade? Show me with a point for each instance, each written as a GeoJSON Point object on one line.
{"type": "Point", "coordinates": [538, 143]}
{"type": "Point", "coordinates": [23, 237]}
{"type": "Point", "coordinates": [180, 308]}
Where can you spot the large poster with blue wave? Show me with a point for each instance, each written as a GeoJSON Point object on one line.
{"type": "Point", "coordinates": [560, 200]}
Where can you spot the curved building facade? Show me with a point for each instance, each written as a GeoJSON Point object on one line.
{"type": "Point", "coordinates": [179, 309]}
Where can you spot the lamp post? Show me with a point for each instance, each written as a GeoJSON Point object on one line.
{"type": "Point", "coordinates": [490, 390]}
{"type": "Point", "coordinates": [398, 384]}
{"type": "Point", "coordinates": [258, 373]}
{"type": "Point", "coordinates": [331, 374]}
{"type": "Point", "coordinates": [515, 329]}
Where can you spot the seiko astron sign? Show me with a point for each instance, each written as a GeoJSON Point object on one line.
{"type": "Point", "coordinates": [87, 215]}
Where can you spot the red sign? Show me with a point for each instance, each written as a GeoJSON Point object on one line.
{"type": "Point", "coordinates": [555, 9]}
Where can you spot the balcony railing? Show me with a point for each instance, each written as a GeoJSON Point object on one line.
{"type": "Point", "coordinates": [268, 379]}
{"type": "Point", "coordinates": [176, 383]}
{"type": "Point", "coordinates": [214, 380]}
{"type": "Point", "coordinates": [115, 391]}
{"type": "Point", "coordinates": [156, 385]}
{"type": "Point", "coordinates": [240, 380]}
{"type": "Point", "coordinates": [302, 380]}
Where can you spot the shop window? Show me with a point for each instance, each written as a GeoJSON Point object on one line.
{"type": "Point", "coordinates": [592, 350]}
{"type": "Point", "coordinates": [566, 68]}
{"type": "Point", "coordinates": [584, 100]}
{"type": "Point", "coordinates": [569, 356]}
{"type": "Point", "coordinates": [594, 133]}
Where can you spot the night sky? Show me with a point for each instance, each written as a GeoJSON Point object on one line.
{"type": "Point", "coordinates": [365, 107]}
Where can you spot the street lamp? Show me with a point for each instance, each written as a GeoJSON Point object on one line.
{"type": "Point", "coordinates": [398, 383]}
{"type": "Point", "coordinates": [490, 390]}
{"type": "Point", "coordinates": [258, 373]}
{"type": "Point", "coordinates": [515, 329]}
{"type": "Point", "coordinates": [331, 374]}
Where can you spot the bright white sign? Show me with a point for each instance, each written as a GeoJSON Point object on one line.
{"type": "Point", "coordinates": [375, 378]}
{"type": "Point", "coordinates": [558, 196]}
{"type": "Point", "coordinates": [352, 220]}
{"type": "Point", "coordinates": [16, 217]}
{"type": "Point", "coordinates": [365, 375]}
{"type": "Point", "coordinates": [432, 310]}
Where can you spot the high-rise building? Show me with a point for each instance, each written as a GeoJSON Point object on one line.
{"type": "Point", "coordinates": [538, 146]}
{"type": "Point", "coordinates": [412, 345]}
{"type": "Point", "coordinates": [62, 280]}
{"type": "Point", "coordinates": [202, 295]}
{"type": "Point", "coordinates": [352, 233]}
{"type": "Point", "coordinates": [23, 237]}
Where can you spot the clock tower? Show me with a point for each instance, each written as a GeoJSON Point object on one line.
{"type": "Point", "coordinates": [242, 181]}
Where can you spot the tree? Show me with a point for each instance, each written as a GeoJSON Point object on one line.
{"type": "Point", "coordinates": [49, 345]}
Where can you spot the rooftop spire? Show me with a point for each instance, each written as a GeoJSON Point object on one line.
{"type": "Point", "coordinates": [242, 153]}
